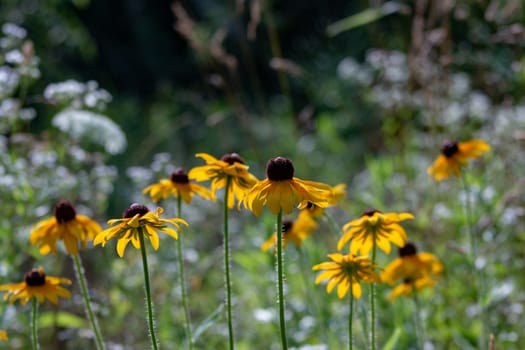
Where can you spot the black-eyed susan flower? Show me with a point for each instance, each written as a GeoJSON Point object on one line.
{"type": "Point", "coordinates": [336, 194]}
{"type": "Point", "coordinates": [411, 265]}
{"type": "Point", "coordinates": [36, 285]}
{"type": "Point", "coordinates": [414, 270]}
{"type": "Point", "coordinates": [138, 219]}
{"type": "Point", "coordinates": [374, 228]}
{"type": "Point", "coordinates": [346, 272]}
{"type": "Point", "coordinates": [65, 225]}
{"type": "Point", "coordinates": [3, 335]}
{"type": "Point", "coordinates": [231, 168]}
{"type": "Point", "coordinates": [281, 191]}
{"type": "Point", "coordinates": [455, 155]}
{"type": "Point", "coordinates": [293, 231]}
{"type": "Point", "coordinates": [408, 287]}
{"type": "Point", "coordinates": [177, 185]}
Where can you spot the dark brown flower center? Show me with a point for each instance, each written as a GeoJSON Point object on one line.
{"type": "Point", "coordinates": [180, 176]}
{"type": "Point", "coordinates": [64, 211]}
{"type": "Point", "coordinates": [408, 250]}
{"type": "Point", "coordinates": [231, 158]}
{"type": "Point", "coordinates": [135, 209]}
{"type": "Point", "coordinates": [370, 212]}
{"type": "Point", "coordinates": [286, 226]}
{"type": "Point", "coordinates": [449, 148]}
{"type": "Point", "coordinates": [35, 277]}
{"type": "Point", "coordinates": [279, 168]}
{"type": "Point", "coordinates": [407, 281]}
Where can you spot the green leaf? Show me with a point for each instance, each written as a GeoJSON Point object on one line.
{"type": "Point", "coordinates": [364, 17]}
{"type": "Point", "coordinates": [392, 341]}
{"type": "Point", "coordinates": [61, 319]}
{"type": "Point", "coordinates": [207, 323]}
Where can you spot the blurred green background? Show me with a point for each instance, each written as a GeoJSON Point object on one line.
{"type": "Point", "coordinates": [99, 99]}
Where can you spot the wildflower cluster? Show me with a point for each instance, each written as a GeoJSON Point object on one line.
{"type": "Point", "coordinates": [282, 193]}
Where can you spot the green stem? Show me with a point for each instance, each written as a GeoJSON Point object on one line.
{"type": "Point", "coordinates": [420, 338]}
{"type": "Point", "coordinates": [187, 322]}
{"type": "Point", "coordinates": [34, 332]}
{"type": "Point", "coordinates": [227, 265]}
{"type": "Point", "coordinates": [87, 304]}
{"type": "Point", "coordinates": [373, 305]}
{"type": "Point", "coordinates": [474, 252]}
{"type": "Point", "coordinates": [280, 279]}
{"type": "Point", "coordinates": [350, 317]}
{"type": "Point", "coordinates": [151, 322]}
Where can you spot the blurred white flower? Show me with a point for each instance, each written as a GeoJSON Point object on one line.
{"type": "Point", "coordinates": [91, 126]}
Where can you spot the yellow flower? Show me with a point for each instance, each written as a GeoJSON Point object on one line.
{"type": "Point", "coordinates": [36, 285]}
{"type": "Point", "coordinates": [455, 155]}
{"type": "Point", "coordinates": [281, 191]}
{"type": "Point", "coordinates": [411, 266]}
{"type": "Point", "coordinates": [138, 219]}
{"type": "Point", "coordinates": [177, 185]}
{"type": "Point", "coordinates": [415, 270]}
{"type": "Point", "coordinates": [65, 225]}
{"type": "Point", "coordinates": [219, 170]}
{"type": "Point", "coordinates": [346, 270]}
{"type": "Point", "coordinates": [3, 335]}
{"type": "Point", "coordinates": [374, 228]}
{"type": "Point", "coordinates": [336, 193]}
{"type": "Point", "coordinates": [407, 287]}
{"type": "Point", "coordinates": [295, 231]}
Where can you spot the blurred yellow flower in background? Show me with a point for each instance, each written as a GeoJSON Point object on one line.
{"type": "Point", "coordinates": [374, 228]}
{"type": "Point", "coordinates": [177, 185]}
{"type": "Point", "coordinates": [65, 225]}
{"type": "Point", "coordinates": [230, 166]}
{"type": "Point", "coordinates": [36, 285]}
{"type": "Point", "coordinates": [293, 231]}
{"type": "Point", "coordinates": [346, 271]}
{"type": "Point", "coordinates": [454, 156]}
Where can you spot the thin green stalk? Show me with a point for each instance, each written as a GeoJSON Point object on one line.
{"type": "Point", "coordinates": [373, 305]}
{"type": "Point", "coordinates": [350, 317]}
{"type": "Point", "coordinates": [87, 304]}
{"type": "Point", "coordinates": [187, 322]}
{"type": "Point", "coordinates": [34, 332]}
{"type": "Point", "coordinates": [280, 279]}
{"type": "Point", "coordinates": [227, 265]}
{"type": "Point", "coordinates": [420, 337]}
{"type": "Point", "coordinates": [151, 321]}
{"type": "Point", "coordinates": [474, 252]}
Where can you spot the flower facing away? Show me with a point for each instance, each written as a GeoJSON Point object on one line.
{"type": "Point", "coordinates": [337, 193]}
{"type": "Point", "coordinates": [346, 271]}
{"type": "Point", "coordinates": [3, 335]}
{"type": "Point", "coordinates": [406, 288]}
{"type": "Point", "coordinates": [177, 185]}
{"type": "Point", "coordinates": [65, 225]}
{"type": "Point", "coordinates": [454, 156]}
{"type": "Point", "coordinates": [230, 166]}
{"type": "Point", "coordinates": [414, 269]}
{"type": "Point", "coordinates": [137, 219]}
{"type": "Point", "coordinates": [36, 285]}
{"type": "Point", "coordinates": [373, 227]}
{"type": "Point", "coordinates": [282, 191]}
{"type": "Point", "coordinates": [293, 231]}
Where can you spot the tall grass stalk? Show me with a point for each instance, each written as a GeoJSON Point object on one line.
{"type": "Point", "coordinates": [187, 321]}
{"type": "Point", "coordinates": [227, 265]}
{"type": "Point", "coordinates": [474, 252]}
{"type": "Point", "coordinates": [79, 269]}
{"type": "Point", "coordinates": [149, 304]}
{"type": "Point", "coordinates": [34, 329]}
{"type": "Point", "coordinates": [280, 280]}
